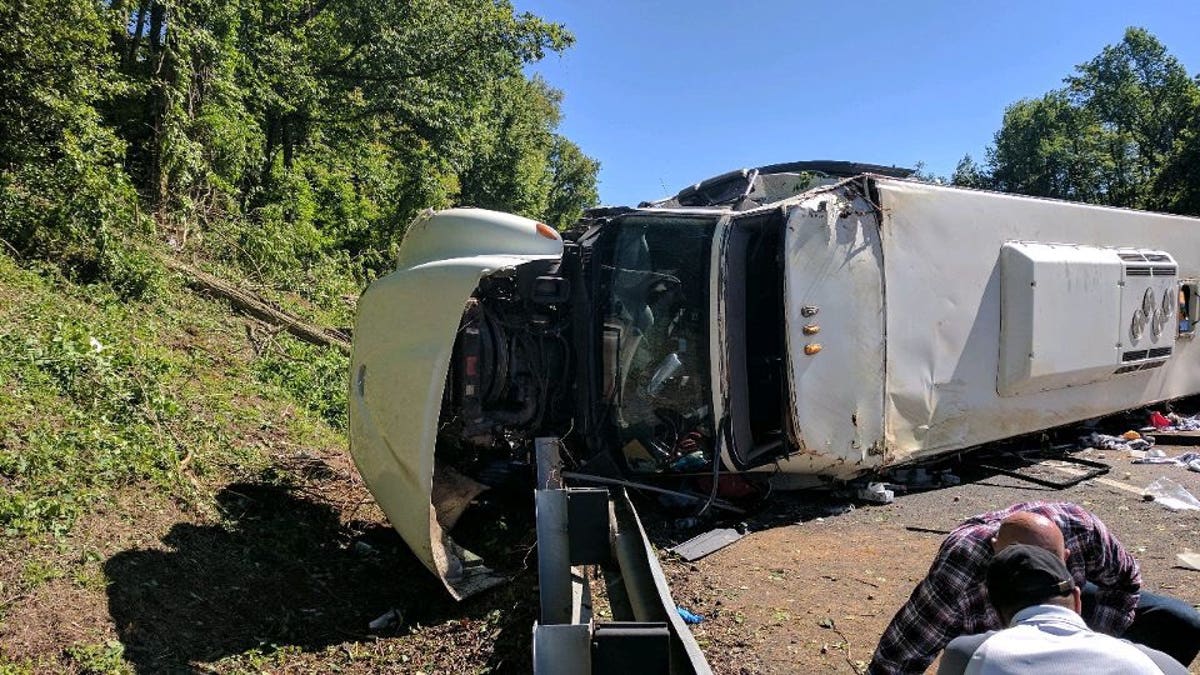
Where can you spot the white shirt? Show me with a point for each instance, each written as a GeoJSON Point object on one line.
{"type": "Point", "coordinates": [1053, 639]}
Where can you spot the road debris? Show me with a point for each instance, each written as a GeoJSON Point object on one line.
{"type": "Point", "coordinates": [392, 617]}
{"type": "Point", "coordinates": [708, 542]}
{"type": "Point", "coordinates": [1172, 495]}
{"type": "Point", "coordinates": [1124, 442]}
{"type": "Point", "coordinates": [1189, 560]}
{"type": "Point", "coordinates": [1191, 460]}
{"type": "Point", "coordinates": [876, 493]}
{"type": "Point", "coordinates": [1174, 422]}
{"type": "Point", "coordinates": [688, 617]}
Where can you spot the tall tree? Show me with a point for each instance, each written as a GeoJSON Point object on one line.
{"type": "Point", "coordinates": [62, 191]}
{"type": "Point", "coordinates": [1177, 186]}
{"type": "Point", "coordinates": [1141, 96]}
{"type": "Point", "coordinates": [1121, 132]}
{"type": "Point", "coordinates": [281, 131]}
{"type": "Point", "coordinates": [968, 173]}
{"type": "Point", "coordinates": [1048, 147]}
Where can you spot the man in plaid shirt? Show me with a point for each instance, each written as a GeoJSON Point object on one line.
{"type": "Point", "coordinates": [952, 599]}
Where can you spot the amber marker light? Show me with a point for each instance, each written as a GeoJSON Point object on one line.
{"type": "Point", "coordinates": [812, 348]}
{"type": "Point", "coordinates": [547, 231]}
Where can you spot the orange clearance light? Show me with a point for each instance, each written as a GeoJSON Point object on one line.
{"type": "Point", "coordinates": [547, 231]}
{"type": "Point", "coordinates": [812, 348]}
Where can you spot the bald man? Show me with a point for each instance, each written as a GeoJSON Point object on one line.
{"type": "Point", "coordinates": [952, 599]}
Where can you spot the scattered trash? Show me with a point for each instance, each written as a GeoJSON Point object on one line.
{"type": "Point", "coordinates": [1191, 460]}
{"type": "Point", "coordinates": [1189, 560]}
{"type": "Point", "coordinates": [390, 618]}
{"type": "Point", "coordinates": [708, 542]}
{"type": "Point", "coordinates": [1172, 495]}
{"type": "Point", "coordinates": [877, 493]}
{"type": "Point", "coordinates": [1174, 422]}
{"type": "Point", "coordinates": [363, 548]}
{"type": "Point", "coordinates": [688, 617]}
{"type": "Point", "coordinates": [1106, 442]}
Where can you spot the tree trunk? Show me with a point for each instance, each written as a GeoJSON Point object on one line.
{"type": "Point", "coordinates": [251, 304]}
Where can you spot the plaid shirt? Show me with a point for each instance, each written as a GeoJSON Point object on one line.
{"type": "Point", "coordinates": [952, 599]}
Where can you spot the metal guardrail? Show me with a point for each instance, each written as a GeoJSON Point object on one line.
{"type": "Point", "coordinates": [577, 527]}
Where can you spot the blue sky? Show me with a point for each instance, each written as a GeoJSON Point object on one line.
{"type": "Point", "coordinates": [668, 93]}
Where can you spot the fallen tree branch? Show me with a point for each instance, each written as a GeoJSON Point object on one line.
{"type": "Point", "coordinates": [256, 307]}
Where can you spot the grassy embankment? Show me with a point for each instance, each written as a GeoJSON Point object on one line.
{"type": "Point", "coordinates": [175, 495]}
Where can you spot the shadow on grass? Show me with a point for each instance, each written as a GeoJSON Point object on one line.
{"type": "Point", "coordinates": [282, 571]}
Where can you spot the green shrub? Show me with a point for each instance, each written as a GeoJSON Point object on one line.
{"type": "Point", "coordinates": [315, 376]}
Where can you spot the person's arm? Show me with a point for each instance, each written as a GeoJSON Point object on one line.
{"type": "Point", "coordinates": [959, 652]}
{"type": "Point", "coordinates": [1111, 568]}
{"type": "Point", "coordinates": [932, 616]}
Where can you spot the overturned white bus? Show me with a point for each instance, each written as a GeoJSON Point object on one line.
{"type": "Point", "coordinates": [823, 319]}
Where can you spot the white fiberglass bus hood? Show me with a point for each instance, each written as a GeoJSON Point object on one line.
{"type": "Point", "coordinates": [403, 340]}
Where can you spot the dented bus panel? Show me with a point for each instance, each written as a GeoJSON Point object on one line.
{"type": "Point", "coordinates": [830, 319]}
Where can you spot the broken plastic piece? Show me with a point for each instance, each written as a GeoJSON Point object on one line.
{"type": "Point", "coordinates": [1172, 495]}
{"type": "Point", "coordinates": [688, 617]}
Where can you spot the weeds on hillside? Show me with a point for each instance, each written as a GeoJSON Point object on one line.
{"type": "Point", "coordinates": [314, 376]}
{"type": "Point", "coordinates": [86, 414]}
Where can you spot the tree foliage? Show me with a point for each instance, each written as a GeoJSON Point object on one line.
{"type": "Point", "coordinates": [63, 193]}
{"type": "Point", "coordinates": [275, 132]}
{"type": "Point", "coordinates": [1122, 131]}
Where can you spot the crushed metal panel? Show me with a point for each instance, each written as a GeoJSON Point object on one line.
{"type": "Point", "coordinates": [638, 589]}
{"type": "Point", "coordinates": [834, 304]}
{"type": "Point", "coordinates": [654, 603]}
{"type": "Point", "coordinates": [705, 543]}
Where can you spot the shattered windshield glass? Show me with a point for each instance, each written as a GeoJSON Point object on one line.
{"type": "Point", "coordinates": [656, 342]}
